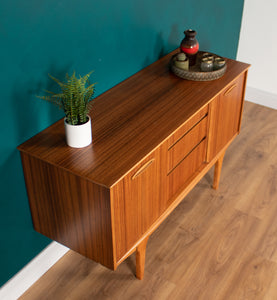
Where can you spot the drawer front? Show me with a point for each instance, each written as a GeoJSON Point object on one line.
{"type": "Point", "coordinates": [178, 178]}
{"type": "Point", "coordinates": [186, 143]}
{"type": "Point", "coordinates": [181, 131]}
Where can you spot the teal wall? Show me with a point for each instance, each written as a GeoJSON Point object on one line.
{"type": "Point", "coordinates": [114, 38]}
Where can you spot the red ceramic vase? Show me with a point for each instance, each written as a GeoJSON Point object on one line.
{"type": "Point", "coordinates": [190, 46]}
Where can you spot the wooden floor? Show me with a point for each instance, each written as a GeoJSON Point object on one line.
{"type": "Point", "coordinates": [215, 245]}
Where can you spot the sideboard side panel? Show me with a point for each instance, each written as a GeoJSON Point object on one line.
{"type": "Point", "coordinates": [69, 209]}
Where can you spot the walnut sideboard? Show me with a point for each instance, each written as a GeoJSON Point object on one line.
{"type": "Point", "coordinates": [154, 137]}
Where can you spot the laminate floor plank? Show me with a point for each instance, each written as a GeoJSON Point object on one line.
{"type": "Point", "coordinates": [216, 245]}
{"type": "Point", "coordinates": [216, 259]}
{"type": "Point", "coordinates": [252, 279]}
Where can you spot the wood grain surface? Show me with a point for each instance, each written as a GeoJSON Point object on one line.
{"type": "Point", "coordinates": [129, 121]}
{"type": "Point", "coordinates": [226, 108]}
{"type": "Point", "coordinates": [216, 245]}
{"type": "Point", "coordinates": [70, 210]}
{"type": "Point", "coordinates": [138, 202]}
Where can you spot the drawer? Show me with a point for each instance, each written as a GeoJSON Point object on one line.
{"type": "Point", "coordinates": [182, 130]}
{"type": "Point", "coordinates": [186, 143]}
{"type": "Point", "coordinates": [185, 170]}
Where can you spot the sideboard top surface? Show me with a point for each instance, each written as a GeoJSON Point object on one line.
{"type": "Point", "coordinates": [129, 121]}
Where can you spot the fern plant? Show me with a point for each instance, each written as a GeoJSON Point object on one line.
{"type": "Point", "coordinates": [75, 98]}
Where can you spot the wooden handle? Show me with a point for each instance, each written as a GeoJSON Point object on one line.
{"type": "Point", "coordinates": [143, 168]}
{"type": "Point", "coordinates": [230, 89]}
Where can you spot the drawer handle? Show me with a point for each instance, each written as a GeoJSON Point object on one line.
{"type": "Point", "coordinates": [143, 168]}
{"type": "Point", "coordinates": [230, 89]}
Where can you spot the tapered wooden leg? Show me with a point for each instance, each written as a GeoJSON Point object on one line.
{"type": "Point", "coordinates": [217, 171]}
{"type": "Point", "coordinates": [140, 258]}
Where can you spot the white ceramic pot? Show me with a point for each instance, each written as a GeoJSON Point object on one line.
{"type": "Point", "coordinates": [78, 136]}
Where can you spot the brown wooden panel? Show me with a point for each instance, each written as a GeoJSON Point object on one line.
{"type": "Point", "coordinates": [179, 176]}
{"type": "Point", "coordinates": [130, 120]}
{"type": "Point", "coordinates": [182, 130]}
{"type": "Point", "coordinates": [225, 116]}
{"type": "Point", "coordinates": [69, 210]}
{"type": "Point", "coordinates": [185, 144]}
{"type": "Point", "coordinates": [138, 201]}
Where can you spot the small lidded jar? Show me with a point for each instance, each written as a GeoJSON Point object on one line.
{"type": "Point", "coordinates": [219, 63]}
{"type": "Point", "coordinates": [182, 61]}
{"type": "Point", "coordinates": [206, 64]}
{"type": "Point", "coordinates": [208, 55]}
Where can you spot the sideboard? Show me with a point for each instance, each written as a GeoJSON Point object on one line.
{"type": "Point", "coordinates": [154, 137]}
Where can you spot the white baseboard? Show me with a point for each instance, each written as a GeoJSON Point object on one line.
{"type": "Point", "coordinates": [26, 277]}
{"type": "Point", "coordinates": [261, 97]}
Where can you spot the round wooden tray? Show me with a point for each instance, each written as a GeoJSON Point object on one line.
{"type": "Point", "coordinates": [194, 72]}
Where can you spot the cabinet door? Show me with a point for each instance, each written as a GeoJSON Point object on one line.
{"type": "Point", "coordinates": [225, 116]}
{"type": "Point", "coordinates": [137, 202]}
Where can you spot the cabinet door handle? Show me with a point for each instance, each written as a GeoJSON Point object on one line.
{"type": "Point", "coordinates": [230, 89]}
{"type": "Point", "coordinates": [143, 168]}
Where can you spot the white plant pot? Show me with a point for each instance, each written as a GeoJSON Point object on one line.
{"type": "Point", "coordinates": [78, 136]}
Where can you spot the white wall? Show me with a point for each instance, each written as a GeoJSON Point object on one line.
{"type": "Point", "coordinates": [258, 46]}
